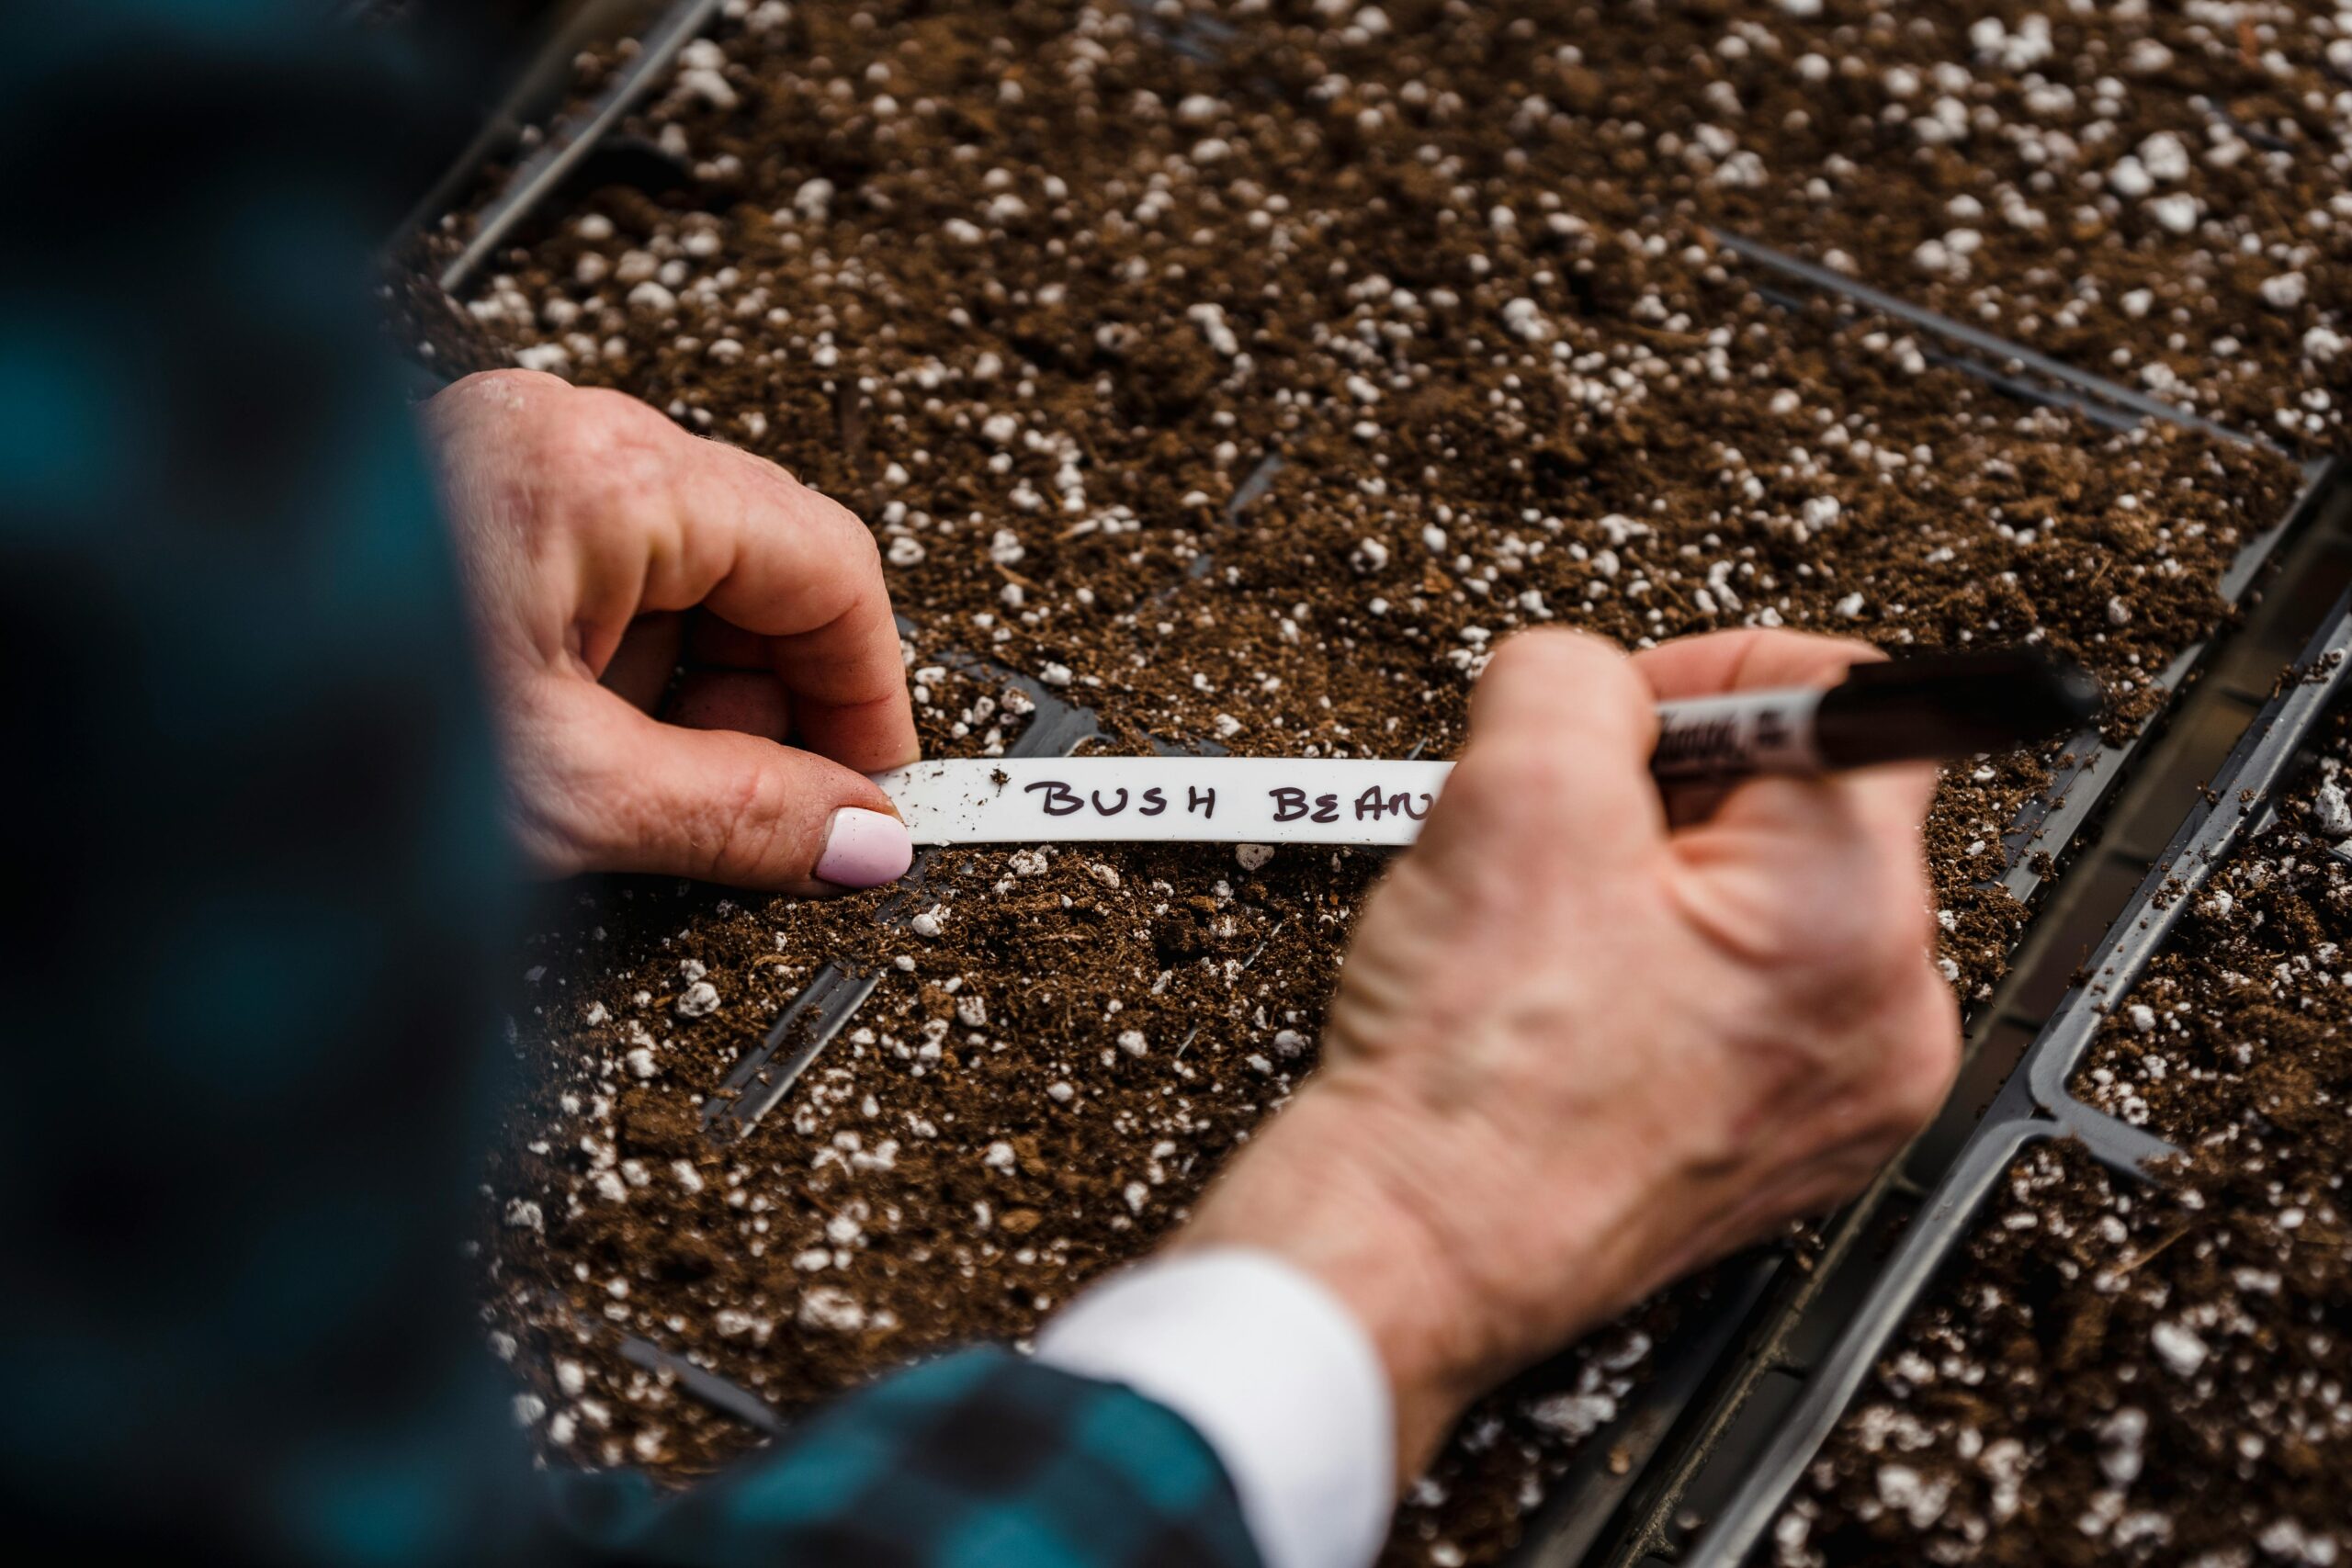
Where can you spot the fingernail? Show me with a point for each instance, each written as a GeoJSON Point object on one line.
{"type": "Point", "coordinates": [864, 849]}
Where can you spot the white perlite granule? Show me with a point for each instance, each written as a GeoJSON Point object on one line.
{"type": "Point", "coordinates": [1573, 1415]}
{"type": "Point", "coordinates": [830, 1307]}
{"type": "Point", "coordinates": [2285, 291]}
{"type": "Point", "coordinates": [2179, 1347]}
{"type": "Point", "coordinates": [2332, 812]}
{"type": "Point", "coordinates": [2177, 212]}
{"type": "Point", "coordinates": [2121, 1437]}
{"type": "Point", "coordinates": [1906, 1492]}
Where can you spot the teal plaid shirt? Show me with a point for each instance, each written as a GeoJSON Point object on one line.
{"type": "Point", "coordinates": [253, 891]}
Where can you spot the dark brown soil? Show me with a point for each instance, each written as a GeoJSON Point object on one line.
{"type": "Point", "coordinates": [2118, 1374]}
{"type": "Point", "coordinates": [1637, 453]}
{"type": "Point", "coordinates": [2244, 1027]}
{"type": "Point", "coordinates": [962, 711]}
{"type": "Point", "coordinates": [2124, 1372]}
{"type": "Point", "coordinates": [1040, 295]}
{"type": "Point", "coordinates": [1032, 1094]}
{"type": "Point", "coordinates": [2154, 193]}
{"type": "Point", "coordinates": [2151, 193]}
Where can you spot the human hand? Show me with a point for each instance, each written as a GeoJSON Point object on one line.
{"type": "Point", "coordinates": [599, 542]}
{"type": "Point", "coordinates": [1577, 1052]}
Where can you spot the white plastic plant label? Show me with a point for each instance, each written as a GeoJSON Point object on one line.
{"type": "Point", "coordinates": [1237, 800]}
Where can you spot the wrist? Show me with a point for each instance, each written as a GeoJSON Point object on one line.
{"type": "Point", "coordinates": [1354, 1189]}
{"type": "Point", "coordinates": [1302, 1194]}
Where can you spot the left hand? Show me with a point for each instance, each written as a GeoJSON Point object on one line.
{"type": "Point", "coordinates": [600, 544]}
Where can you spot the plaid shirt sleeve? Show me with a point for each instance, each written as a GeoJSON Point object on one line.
{"type": "Point", "coordinates": [983, 1459]}
{"type": "Point", "coordinates": [254, 891]}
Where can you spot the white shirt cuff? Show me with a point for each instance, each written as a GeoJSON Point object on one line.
{"type": "Point", "coordinates": [1272, 1371]}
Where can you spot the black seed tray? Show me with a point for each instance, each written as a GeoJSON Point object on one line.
{"type": "Point", "coordinates": [1578, 1517]}
{"type": "Point", "coordinates": [2035, 1103]}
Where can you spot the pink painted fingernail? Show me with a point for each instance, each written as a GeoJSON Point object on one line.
{"type": "Point", "coordinates": [864, 849]}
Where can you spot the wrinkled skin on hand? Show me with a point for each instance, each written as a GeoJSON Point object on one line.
{"type": "Point", "coordinates": [603, 547]}
{"type": "Point", "coordinates": [1577, 1051]}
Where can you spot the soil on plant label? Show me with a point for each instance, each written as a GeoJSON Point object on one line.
{"type": "Point", "coordinates": [2122, 1371]}
{"type": "Point", "coordinates": [1245, 396]}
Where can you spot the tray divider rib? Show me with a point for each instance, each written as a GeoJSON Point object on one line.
{"type": "Point", "coordinates": [2034, 1103]}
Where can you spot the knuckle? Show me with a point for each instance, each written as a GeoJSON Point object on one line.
{"type": "Point", "coordinates": [602, 408]}
{"type": "Point", "coordinates": [511, 389]}
{"type": "Point", "coordinates": [608, 443]}
{"type": "Point", "coordinates": [601, 418]}
{"type": "Point", "coordinates": [484, 407]}
{"type": "Point", "coordinates": [856, 539]}
{"type": "Point", "coordinates": [823, 514]}
{"type": "Point", "coordinates": [1536, 674]}
{"type": "Point", "coordinates": [850, 542]}
{"type": "Point", "coordinates": [1508, 778]}
{"type": "Point", "coordinates": [1544, 652]}
{"type": "Point", "coordinates": [742, 827]}
{"type": "Point", "coordinates": [808, 509]}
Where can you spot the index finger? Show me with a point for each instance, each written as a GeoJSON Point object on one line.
{"type": "Point", "coordinates": [1752, 659]}
{"type": "Point", "coordinates": [802, 571]}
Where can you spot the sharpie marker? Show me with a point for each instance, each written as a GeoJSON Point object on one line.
{"type": "Point", "coordinates": [1927, 709]}
{"type": "Point", "coordinates": [1910, 710]}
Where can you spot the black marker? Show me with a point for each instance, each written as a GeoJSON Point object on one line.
{"type": "Point", "coordinates": [1928, 709]}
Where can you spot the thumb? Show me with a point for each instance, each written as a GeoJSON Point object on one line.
{"type": "Point", "coordinates": [613, 789]}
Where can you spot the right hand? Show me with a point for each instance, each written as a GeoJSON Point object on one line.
{"type": "Point", "coordinates": [1577, 1052]}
